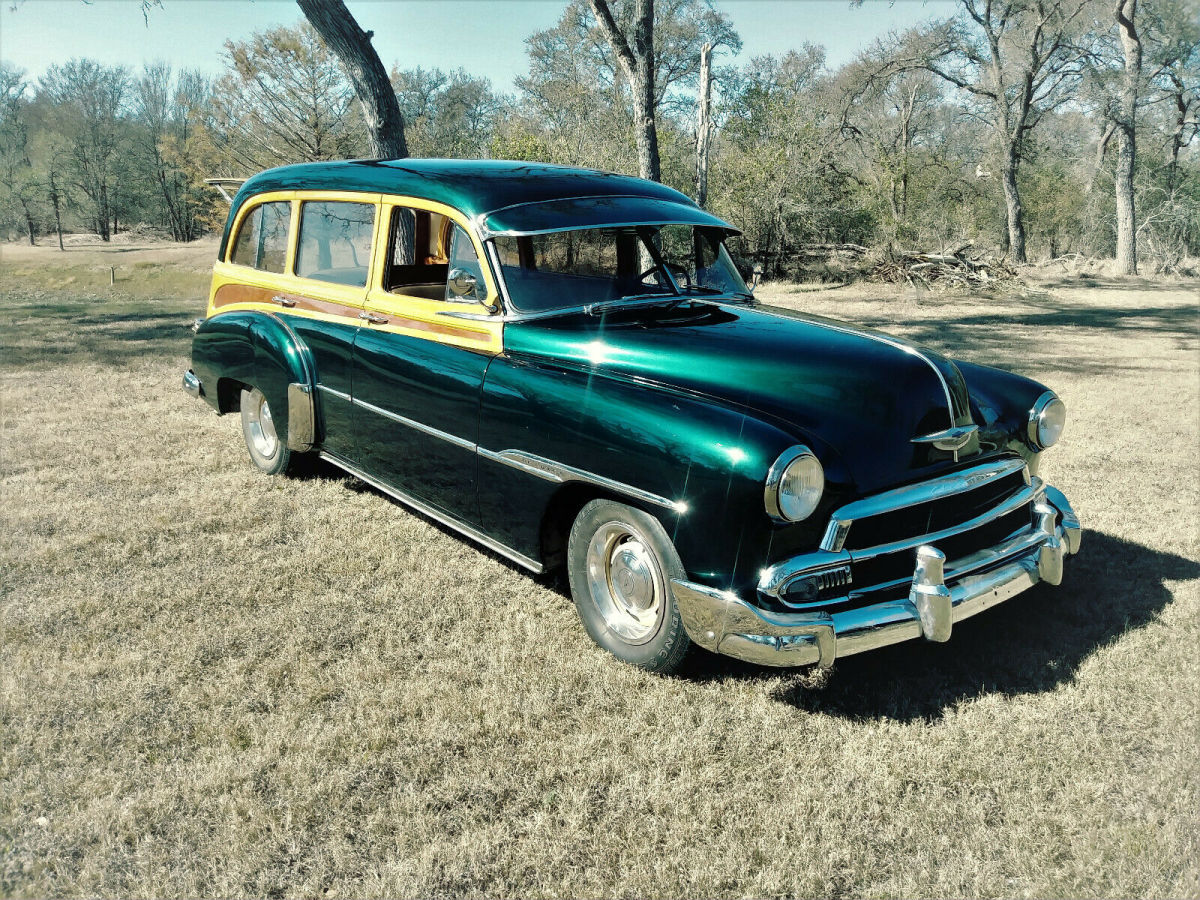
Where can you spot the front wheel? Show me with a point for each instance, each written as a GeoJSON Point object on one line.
{"type": "Point", "coordinates": [269, 454]}
{"type": "Point", "coordinates": [620, 562]}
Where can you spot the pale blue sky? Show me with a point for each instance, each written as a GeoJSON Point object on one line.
{"type": "Point", "coordinates": [485, 37]}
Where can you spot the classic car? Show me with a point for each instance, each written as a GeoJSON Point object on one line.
{"type": "Point", "coordinates": [566, 366]}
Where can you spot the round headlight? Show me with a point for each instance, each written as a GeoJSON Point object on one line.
{"type": "Point", "coordinates": [1046, 421]}
{"type": "Point", "coordinates": [794, 485]}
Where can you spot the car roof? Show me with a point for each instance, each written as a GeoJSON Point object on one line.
{"type": "Point", "coordinates": [474, 187]}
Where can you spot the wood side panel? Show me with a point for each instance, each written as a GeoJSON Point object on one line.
{"type": "Point", "coordinates": [241, 294]}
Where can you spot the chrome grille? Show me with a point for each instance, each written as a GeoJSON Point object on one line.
{"type": "Point", "coordinates": [928, 507]}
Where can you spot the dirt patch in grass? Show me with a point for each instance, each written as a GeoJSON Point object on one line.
{"type": "Point", "coordinates": [219, 684]}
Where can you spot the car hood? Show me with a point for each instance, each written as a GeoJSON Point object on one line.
{"type": "Point", "coordinates": [857, 397]}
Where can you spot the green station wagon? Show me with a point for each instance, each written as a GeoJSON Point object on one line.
{"type": "Point", "coordinates": [566, 366]}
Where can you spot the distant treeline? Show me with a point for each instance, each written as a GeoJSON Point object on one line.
{"type": "Point", "coordinates": [1010, 131]}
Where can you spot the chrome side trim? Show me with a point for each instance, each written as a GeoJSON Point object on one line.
{"type": "Point", "coordinates": [191, 384]}
{"type": "Point", "coordinates": [328, 390]}
{"type": "Point", "coordinates": [403, 420]}
{"type": "Point", "coordinates": [559, 473]}
{"type": "Point", "coordinates": [518, 459]}
{"type": "Point", "coordinates": [302, 421]}
{"type": "Point", "coordinates": [437, 515]}
{"type": "Point", "coordinates": [947, 485]}
{"type": "Point", "coordinates": [418, 426]}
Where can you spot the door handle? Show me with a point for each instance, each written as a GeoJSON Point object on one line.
{"type": "Point", "coordinates": [283, 301]}
{"type": "Point", "coordinates": [373, 318]}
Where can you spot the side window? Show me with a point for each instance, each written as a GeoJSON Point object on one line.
{"type": "Point", "coordinates": [261, 242]}
{"type": "Point", "coordinates": [424, 248]}
{"type": "Point", "coordinates": [335, 241]}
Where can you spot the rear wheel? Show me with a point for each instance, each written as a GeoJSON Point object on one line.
{"type": "Point", "coordinates": [268, 453]}
{"type": "Point", "coordinates": [620, 562]}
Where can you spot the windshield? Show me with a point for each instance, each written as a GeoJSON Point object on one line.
{"type": "Point", "coordinates": [566, 269]}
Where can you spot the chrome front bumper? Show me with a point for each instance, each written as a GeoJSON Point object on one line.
{"type": "Point", "coordinates": [941, 594]}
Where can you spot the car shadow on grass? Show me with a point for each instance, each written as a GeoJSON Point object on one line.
{"type": "Point", "coordinates": [1030, 644]}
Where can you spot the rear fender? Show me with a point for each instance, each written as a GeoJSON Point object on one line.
{"type": "Point", "coordinates": [260, 350]}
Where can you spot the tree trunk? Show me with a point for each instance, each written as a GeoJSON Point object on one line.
{"type": "Point", "coordinates": [1126, 217]}
{"type": "Point", "coordinates": [353, 48]}
{"type": "Point", "coordinates": [1012, 203]}
{"type": "Point", "coordinates": [704, 125]}
{"type": "Point", "coordinates": [1131, 45]}
{"type": "Point", "coordinates": [638, 64]}
{"type": "Point", "coordinates": [54, 198]}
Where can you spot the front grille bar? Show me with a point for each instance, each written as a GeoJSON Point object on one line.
{"type": "Point", "coordinates": [844, 517]}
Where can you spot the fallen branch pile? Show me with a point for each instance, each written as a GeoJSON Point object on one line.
{"type": "Point", "coordinates": [954, 268]}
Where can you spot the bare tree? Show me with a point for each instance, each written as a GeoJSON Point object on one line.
{"type": "Point", "coordinates": [704, 126]}
{"type": "Point", "coordinates": [636, 56]}
{"type": "Point", "coordinates": [1126, 121]}
{"type": "Point", "coordinates": [285, 99]}
{"type": "Point", "coordinates": [90, 101]}
{"type": "Point", "coordinates": [165, 105]}
{"type": "Point", "coordinates": [1015, 60]}
{"type": "Point", "coordinates": [1171, 32]}
{"type": "Point", "coordinates": [451, 114]}
{"type": "Point", "coordinates": [353, 48]}
{"type": "Point", "coordinates": [890, 123]}
{"type": "Point", "coordinates": [18, 186]}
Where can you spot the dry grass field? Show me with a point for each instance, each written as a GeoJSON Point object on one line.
{"type": "Point", "coordinates": [219, 684]}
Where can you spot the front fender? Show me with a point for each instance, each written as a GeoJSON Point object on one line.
{"type": "Point", "coordinates": [261, 350]}
{"type": "Point", "coordinates": [1000, 404]}
{"type": "Point", "coordinates": [704, 460]}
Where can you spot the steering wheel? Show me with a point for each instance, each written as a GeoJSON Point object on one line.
{"type": "Point", "coordinates": [673, 269]}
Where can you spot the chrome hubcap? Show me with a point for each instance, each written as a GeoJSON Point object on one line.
{"type": "Point", "coordinates": [626, 582]}
{"type": "Point", "coordinates": [262, 426]}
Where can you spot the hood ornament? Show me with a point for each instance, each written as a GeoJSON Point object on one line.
{"type": "Point", "coordinates": [951, 440]}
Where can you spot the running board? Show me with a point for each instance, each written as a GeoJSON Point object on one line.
{"type": "Point", "coordinates": [437, 515]}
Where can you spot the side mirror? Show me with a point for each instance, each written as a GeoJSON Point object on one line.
{"type": "Point", "coordinates": [756, 276]}
{"type": "Point", "coordinates": [464, 284]}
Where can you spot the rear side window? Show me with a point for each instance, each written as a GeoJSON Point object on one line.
{"type": "Point", "coordinates": [262, 240]}
{"type": "Point", "coordinates": [335, 241]}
